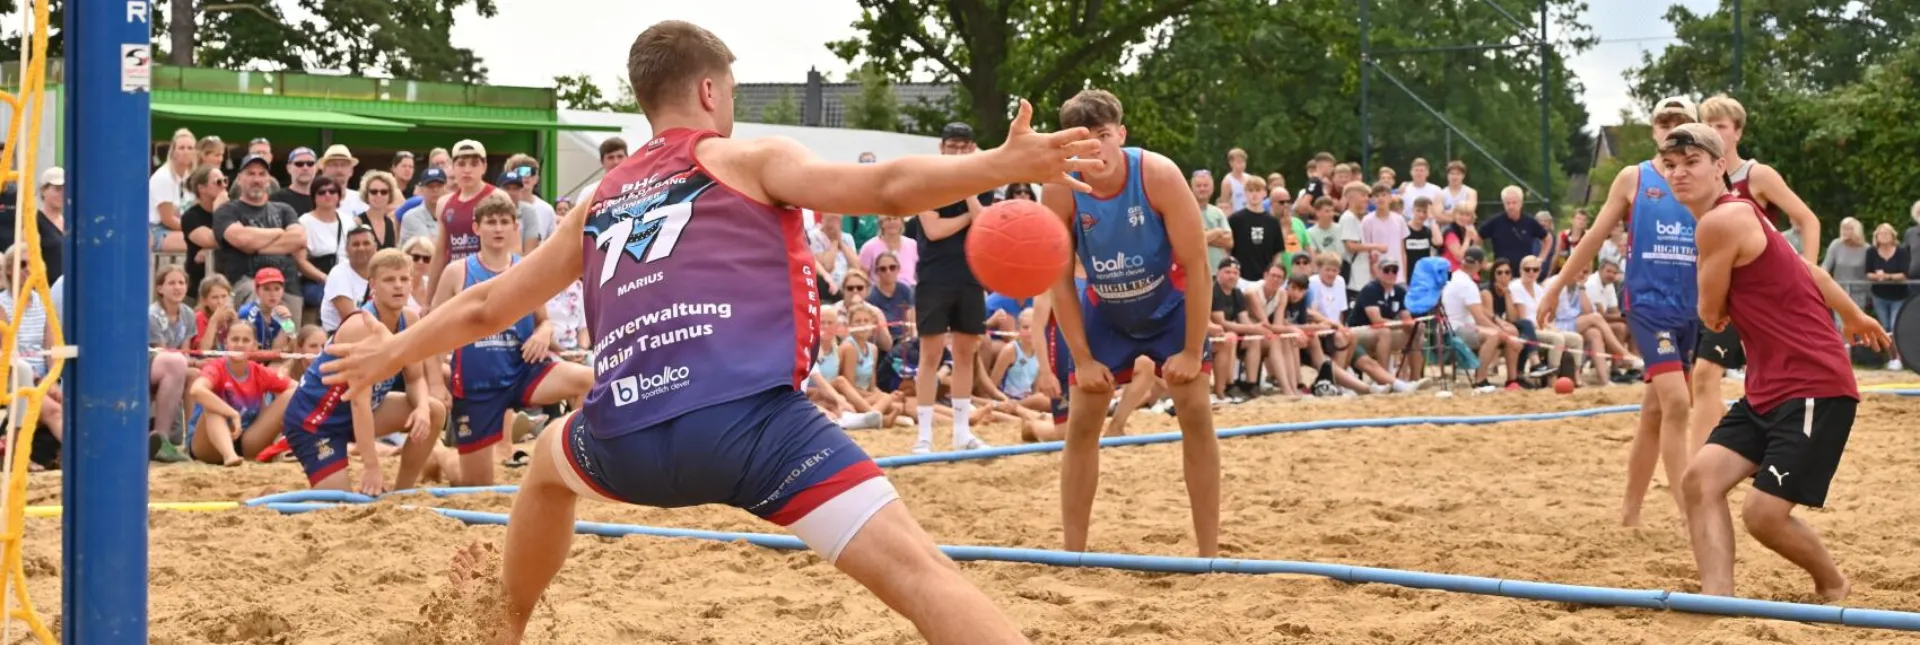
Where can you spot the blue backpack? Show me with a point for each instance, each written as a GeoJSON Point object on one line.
{"type": "Point", "coordinates": [1424, 283]}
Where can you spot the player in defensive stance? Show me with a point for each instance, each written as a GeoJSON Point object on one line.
{"type": "Point", "coordinates": [699, 286]}
{"type": "Point", "coordinates": [1138, 236]}
{"type": "Point", "coordinates": [505, 371]}
{"type": "Point", "coordinates": [1790, 429]}
{"type": "Point", "coordinates": [323, 417]}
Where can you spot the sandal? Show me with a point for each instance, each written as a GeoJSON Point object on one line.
{"type": "Point", "coordinates": [520, 459]}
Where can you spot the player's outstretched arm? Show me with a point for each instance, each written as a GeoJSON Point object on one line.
{"type": "Point", "coordinates": [1718, 237]}
{"type": "Point", "coordinates": [1619, 199]}
{"type": "Point", "coordinates": [1769, 186]}
{"type": "Point", "coordinates": [793, 176]}
{"type": "Point", "coordinates": [485, 308]}
{"type": "Point", "coordinates": [1170, 196]}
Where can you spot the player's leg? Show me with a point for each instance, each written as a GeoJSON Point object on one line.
{"type": "Point", "coordinates": [1733, 453]}
{"type": "Point", "coordinates": [1805, 440]}
{"type": "Point", "coordinates": [323, 456]}
{"type": "Point", "coordinates": [896, 560]}
{"type": "Point", "coordinates": [1086, 413]}
{"type": "Point", "coordinates": [266, 427]}
{"type": "Point", "coordinates": [556, 381]}
{"type": "Point", "coordinates": [965, 341]}
{"type": "Point", "coordinates": [1642, 455]}
{"type": "Point", "coordinates": [391, 416]}
{"type": "Point", "coordinates": [479, 424]}
{"type": "Point", "coordinates": [1675, 415]}
{"type": "Point", "coordinates": [539, 529]}
{"type": "Point", "coordinates": [1136, 393]}
{"type": "Point", "coordinates": [1199, 445]}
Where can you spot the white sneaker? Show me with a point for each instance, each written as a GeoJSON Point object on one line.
{"type": "Point", "coordinates": [1894, 365]}
{"type": "Point", "coordinates": [922, 447]}
{"type": "Point", "coordinates": [864, 421]}
{"type": "Point", "coordinates": [1403, 387]}
{"type": "Point", "coordinates": [1163, 406]}
{"type": "Point", "coordinates": [1216, 400]}
{"type": "Point", "coordinates": [972, 444]}
{"type": "Point", "coordinates": [1377, 388]}
{"type": "Point", "coordinates": [1486, 389]}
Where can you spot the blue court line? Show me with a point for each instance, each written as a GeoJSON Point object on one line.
{"type": "Point", "coordinates": [1112, 442]}
{"type": "Point", "coordinates": [1521, 589]}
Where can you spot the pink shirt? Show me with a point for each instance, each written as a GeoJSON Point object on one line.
{"type": "Point", "coordinates": [909, 256]}
{"type": "Point", "coordinates": [1389, 231]}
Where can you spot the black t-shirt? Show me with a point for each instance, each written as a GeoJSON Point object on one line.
{"type": "Point", "coordinates": [1257, 238]}
{"type": "Point", "coordinates": [237, 264]}
{"type": "Point", "coordinates": [1374, 295]}
{"type": "Point", "coordinates": [301, 203]}
{"type": "Point", "coordinates": [1499, 301]}
{"type": "Point", "coordinates": [1896, 264]}
{"type": "Point", "coordinates": [943, 262]}
{"type": "Point", "coordinates": [1512, 240]}
{"type": "Point", "coordinates": [1229, 301]}
{"type": "Point", "coordinates": [1420, 245]}
{"type": "Point", "coordinates": [1297, 309]}
{"type": "Point", "coordinates": [1315, 188]}
{"type": "Point", "coordinates": [196, 218]}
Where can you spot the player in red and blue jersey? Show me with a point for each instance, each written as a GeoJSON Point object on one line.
{"type": "Point", "coordinates": [1659, 300]}
{"type": "Point", "coordinates": [1788, 433]}
{"type": "Point", "coordinates": [322, 418]}
{"type": "Point", "coordinates": [1135, 234]}
{"type": "Point", "coordinates": [700, 288]}
{"type": "Point", "coordinates": [505, 371]}
{"type": "Point", "coordinates": [238, 404]}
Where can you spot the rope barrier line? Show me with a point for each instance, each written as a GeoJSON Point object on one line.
{"type": "Point", "coordinates": [23, 141]}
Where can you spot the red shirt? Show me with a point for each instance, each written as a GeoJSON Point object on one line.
{"type": "Point", "coordinates": [1793, 350]}
{"type": "Point", "coordinates": [246, 391]}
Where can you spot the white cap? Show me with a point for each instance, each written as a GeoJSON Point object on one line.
{"type": "Point", "coordinates": [54, 176]}
{"type": "Point", "coordinates": [1681, 103]}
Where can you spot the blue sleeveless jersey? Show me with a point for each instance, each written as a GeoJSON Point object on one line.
{"type": "Point", "coordinates": [316, 406]}
{"type": "Point", "coordinates": [492, 363]}
{"type": "Point", "coordinates": [1662, 282]}
{"type": "Point", "coordinates": [1122, 244]}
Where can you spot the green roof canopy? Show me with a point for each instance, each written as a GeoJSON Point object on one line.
{"type": "Point", "coordinates": [537, 123]}
{"type": "Point", "coordinates": [270, 116]}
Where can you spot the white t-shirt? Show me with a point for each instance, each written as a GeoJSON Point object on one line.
{"type": "Point", "coordinates": [351, 204]}
{"type": "Point", "coordinates": [1350, 231]}
{"type": "Point", "coordinates": [341, 281]}
{"type": "Point", "coordinates": [587, 191]}
{"type": "Point", "coordinates": [1604, 298]}
{"type": "Point", "coordinates": [1433, 192]}
{"type": "Point", "coordinates": [1567, 318]}
{"type": "Point", "coordinates": [1528, 302]}
{"type": "Point", "coordinates": [1328, 299]}
{"type": "Point", "coordinates": [567, 313]}
{"type": "Point", "coordinates": [1461, 292]}
{"type": "Point", "coordinates": [325, 238]}
{"type": "Point", "coordinates": [166, 188]}
{"type": "Point", "coordinates": [541, 225]}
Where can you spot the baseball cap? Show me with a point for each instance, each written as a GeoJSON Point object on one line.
{"type": "Point", "coordinates": [957, 130]}
{"type": "Point", "coordinates": [1680, 104]}
{"type": "Point", "coordinates": [268, 275]}
{"type": "Point", "coordinates": [1228, 262]}
{"type": "Point", "coordinates": [302, 150]}
{"type": "Point", "coordinates": [257, 159]}
{"type": "Point", "coordinates": [515, 177]}
{"type": "Point", "coordinates": [1694, 135]}
{"type": "Point", "coordinates": [54, 176]}
{"type": "Point", "coordinates": [469, 148]}
{"type": "Point", "coordinates": [1474, 254]}
{"type": "Point", "coordinates": [1389, 262]}
{"type": "Point", "coordinates": [433, 176]}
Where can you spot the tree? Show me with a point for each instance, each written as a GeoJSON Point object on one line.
{"type": "Point", "coordinates": [1828, 90]}
{"type": "Point", "coordinates": [999, 49]}
{"type": "Point", "coordinates": [1634, 139]}
{"type": "Point", "coordinates": [395, 38]}
{"type": "Point", "coordinates": [1231, 73]}
{"type": "Point", "coordinates": [577, 92]}
{"type": "Point", "coordinates": [874, 107]}
{"type": "Point", "coordinates": [782, 111]}
{"type": "Point", "coordinates": [10, 38]}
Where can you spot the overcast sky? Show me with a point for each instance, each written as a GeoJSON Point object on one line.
{"type": "Point", "coordinates": [531, 41]}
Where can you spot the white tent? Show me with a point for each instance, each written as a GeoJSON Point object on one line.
{"type": "Point", "coordinates": [579, 162]}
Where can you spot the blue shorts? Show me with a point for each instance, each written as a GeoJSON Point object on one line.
{"type": "Point", "coordinates": [1118, 350]}
{"type": "Point", "coordinates": [1666, 347]}
{"type": "Point", "coordinates": [321, 453]}
{"type": "Point", "coordinates": [772, 454]}
{"type": "Point", "coordinates": [480, 417]}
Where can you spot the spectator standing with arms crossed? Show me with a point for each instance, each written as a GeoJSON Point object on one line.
{"type": "Point", "coordinates": [951, 304]}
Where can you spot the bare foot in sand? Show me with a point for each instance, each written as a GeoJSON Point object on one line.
{"type": "Point", "coordinates": [1835, 594]}
{"type": "Point", "coordinates": [233, 461]}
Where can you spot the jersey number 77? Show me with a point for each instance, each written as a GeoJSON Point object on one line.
{"type": "Point", "coordinates": [656, 233]}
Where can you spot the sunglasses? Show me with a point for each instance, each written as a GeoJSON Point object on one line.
{"type": "Point", "coordinates": [887, 268]}
{"type": "Point", "coordinates": [423, 259]}
{"type": "Point", "coordinates": [222, 181]}
{"type": "Point", "coordinates": [377, 191]}
{"type": "Point", "coordinates": [854, 287]}
{"type": "Point", "coordinates": [327, 193]}
{"type": "Point", "coordinates": [1530, 269]}
{"type": "Point", "coordinates": [1389, 270]}
{"type": "Point", "coordinates": [300, 164]}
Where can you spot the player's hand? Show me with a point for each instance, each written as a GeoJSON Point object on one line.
{"type": "Point", "coordinates": [1092, 376]}
{"type": "Point", "coordinates": [534, 349]}
{"type": "Point", "coordinates": [372, 483]}
{"type": "Point", "coordinates": [1861, 329]}
{"type": "Point", "coordinates": [1048, 384]}
{"type": "Point", "coordinates": [358, 365]}
{"type": "Point", "coordinates": [1549, 303]}
{"type": "Point", "coordinates": [1048, 158]}
{"type": "Point", "coordinates": [419, 424]}
{"type": "Point", "coordinates": [1181, 369]}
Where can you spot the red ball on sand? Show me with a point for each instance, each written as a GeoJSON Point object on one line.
{"type": "Point", "coordinates": [1563, 385]}
{"type": "Point", "coordinates": [1018, 248]}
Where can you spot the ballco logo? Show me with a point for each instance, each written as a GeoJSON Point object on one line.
{"type": "Point", "coordinates": [666, 377]}
{"type": "Point", "coordinates": [1119, 261]}
{"type": "Point", "coordinates": [1675, 229]}
{"type": "Point", "coordinates": [633, 389]}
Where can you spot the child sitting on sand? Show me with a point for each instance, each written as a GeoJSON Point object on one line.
{"type": "Point", "coordinates": [239, 404]}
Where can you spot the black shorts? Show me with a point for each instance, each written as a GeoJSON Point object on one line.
{"type": "Point", "coordinates": [1796, 445]}
{"type": "Point", "coordinates": [959, 309]}
{"type": "Point", "coordinates": [1721, 348]}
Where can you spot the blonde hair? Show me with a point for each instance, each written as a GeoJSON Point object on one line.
{"type": "Point", "coordinates": [215, 281]}
{"type": "Point", "coordinates": [1888, 229]}
{"type": "Point", "coordinates": [1851, 232]}
{"type": "Point", "coordinates": [1356, 187]}
{"type": "Point", "coordinates": [421, 244]}
{"type": "Point", "coordinates": [1512, 191]}
{"type": "Point", "coordinates": [496, 203]}
{"type": "Point", "coordinates": [1237, 152]}
{"type": "Point", "coordinates": [391, 260]}
{"type": "Point", "coordinates": [382, 176]}
{"type": "Point", "coordinates": [1722, 106]}
{"type": "Point", "coordinates": [1326, 259]}
{"type": "Point", "coordinates": [1254, 185]}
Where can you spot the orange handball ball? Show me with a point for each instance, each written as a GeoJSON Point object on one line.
{"type": "Point", "coordinates": [1563, 385]}
{"type": "Point", "coordinates": [1018, 248]}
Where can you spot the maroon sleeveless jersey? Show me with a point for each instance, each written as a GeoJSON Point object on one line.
{"type": "Point", "coordinates": [457, 219]}
{"type": "Point", "coordinates": [697, 295]}
{"type": "Point", "coordinates": [1793, 351]}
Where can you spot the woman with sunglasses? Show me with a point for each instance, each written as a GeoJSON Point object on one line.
{"type": "Point", "coordinates": [1525, 293]}
{"type": "Point", "coordinates": [326, 240]}
{"type": "Point", "coordinates": [891, 241]}
{"type": "Point", "coordinates": [421, 250]}
{"type": "Point", "coordinates": [381, 192]}
{"type": "Point", "coordinates": [209, 188]}
{"type": "Point", "coordinates": [1020, 191]}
